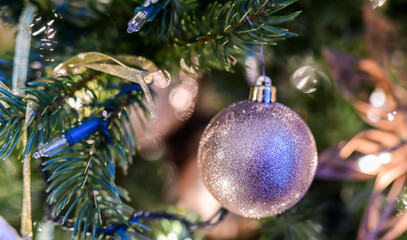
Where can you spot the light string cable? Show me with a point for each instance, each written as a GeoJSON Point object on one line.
{"type": "Point", "coordinates": [191, 226]}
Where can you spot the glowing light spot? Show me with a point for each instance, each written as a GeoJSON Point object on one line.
{"type": "Point", "coordinates": [252, 69]}
{"type": "Point", "coordinates": [305, 79]}
{"type": "Point", "coordinates": [52, 35]}
{"type": "Point", "coordinates": [36, 65]}
{"type": "Point", "coordinates": [190, 83]}
{"type": "Point", "coordinates": [377, 3]}
{"type": "Point", "coordinates": [172, 236]}
{"type": "Point", "coordinates": [161, 237]}
{"type": "Point", "coordinates": [87, 96]}
{"type": "Point", "coordinates": [390, 117]}
{"type": "Point", "coordinates": [77, 104]}
{"type": "Point", "coordinates": [39, 31]}
{"type": "Point", "coordinates": [76, 70]}
{"type": "Point", "coordinates": [180, 98]}
{"type": "Point", "coordinates": [187, 68]}
{"type": "Point", "coordinates": [378, 98]}
{"type": "Point", "coordinates": [373, 115]}
{"type": "Point", "coordinates": [385, 157]}
{"type": "Point", "coordinates": [61, 72]}
{"type": "Point", "coordinates": [162, 79]}
{"type": "Point", "coordinates": [369, 164]}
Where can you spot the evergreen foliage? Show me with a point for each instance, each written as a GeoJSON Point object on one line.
{"type": "Point", "coordinates": [81, 180]}
{"type": "Point", "coordinates": [81, 186]}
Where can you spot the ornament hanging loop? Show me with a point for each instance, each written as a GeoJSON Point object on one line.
{"type": "Point", "coordinates": [263, 91]}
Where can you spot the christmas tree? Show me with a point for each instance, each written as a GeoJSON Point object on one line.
{"type": "Point", "coordinates": [103, 104]}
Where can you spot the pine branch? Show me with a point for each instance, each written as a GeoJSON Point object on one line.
{"type": "Point", "coordinates": [5, 71]}
{"type": "Point", "coordinates": [82, 178]}
{"type": "Point", "coordinates": [12, 112]}
{"type": "Point", "coordinates": [71, 92]}
{"type": "Point", "coordinates": [223, 34]}
{"type": "Point", "coordinates": [218, 36]}
{"type": "Point", "coordinates": [53, 115]}
{"type": "Point", "coordinates": [90, 188]}
{"type": "Point", "coordinates": [235, 22]}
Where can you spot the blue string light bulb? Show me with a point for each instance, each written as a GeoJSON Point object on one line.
{"type": "Point", "coordinates": [73, 136]}
{"type": "Point", "coordinates": [83, 131]}
{"type": "Point", "coordinates": [257, 157]}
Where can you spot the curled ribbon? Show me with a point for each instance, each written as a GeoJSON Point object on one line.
{"type": "Point", "coordinates": [116, 67]}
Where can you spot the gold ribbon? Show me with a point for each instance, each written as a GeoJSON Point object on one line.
{"type": "Point", "coordinates": [116, 67]}
{"type": "Point", "coordinates": [22, 51]}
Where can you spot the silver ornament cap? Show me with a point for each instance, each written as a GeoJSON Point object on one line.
{"type": "Point", "coordinates": [263, 91]}
{"type": "Point", "coordinates": [257, 157]}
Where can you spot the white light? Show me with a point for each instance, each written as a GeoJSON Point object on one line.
{"type": "Point", "coordinates": [369, 164]}
{"type": "Point", "coordinates": [189, 83]}
{"type": "Point", "coordinates": [252, 69]}
{"type": "Point", "coordinates": [160, 80]}
{"type": "Point", "coordinates": [305, 79]}
{"type": "Point", "coordinates": [385, 157]}
{"type": "Point", "coordinates": [172, 236]}
{"type": "Point", "coordinates": [52, 35]}
{"type": "Point", "coordinates": [225, 184]}
{"type": "Point", "coordinates": [87, 96]}
{"type": "Point", "coordinates": [390, 117]}
{"type": "Point", "coordinates": [36, 65]}
{"type": "Point", "coordinates": [378, 98]}
{"type": "Point", "coordinates": [50, 22]}
{"type": "Point", "coordinates": [77, 104]}
{"type": "Point", "coordinates": [39, 31]}
{"type": "Point", "coordinates": [373, 115]}
{"type": "Point", "coordinates": [180, 98]}
{"type": "Point", "coordinates": [59, 70]}
{"type": "Point", "coordinates": [161, 237]}
{"type": "Point", "coordinates": [76, 70]}
{"type": "Point", "coordinates": [377, 3]}
{"type": "Point", "coordinates": [187, 68]}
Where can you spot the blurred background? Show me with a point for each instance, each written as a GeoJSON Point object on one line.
{"type": "Point", "coordinates": [345, 74]}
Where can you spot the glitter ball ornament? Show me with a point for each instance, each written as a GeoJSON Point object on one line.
{"type": "Point", "coordinates": [257, 157]}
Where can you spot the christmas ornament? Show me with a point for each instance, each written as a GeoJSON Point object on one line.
{"type": "Point", "coordinates": [7, 231]}
{"type": "Point", "coordinates": [257, 157]}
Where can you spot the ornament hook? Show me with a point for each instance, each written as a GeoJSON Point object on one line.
{"type": "Point", "coordinates": [264, 91]}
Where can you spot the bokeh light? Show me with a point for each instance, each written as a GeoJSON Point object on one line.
{"type": "Point", "coordinates": [378, 98]}
{"type": "Point", "coordinates": [377, 3]}
{"type": "Point", "coordinates": [305, 79]}
{"type": "Point", "coordinates": [252, 69]}
{"type": "Point", "coordinates": [162, 79]}
{"type": "Point", "coordinates": [369, 164]}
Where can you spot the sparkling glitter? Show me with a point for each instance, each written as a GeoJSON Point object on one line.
{"type": "Point", "coordinates": [257, 159]}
